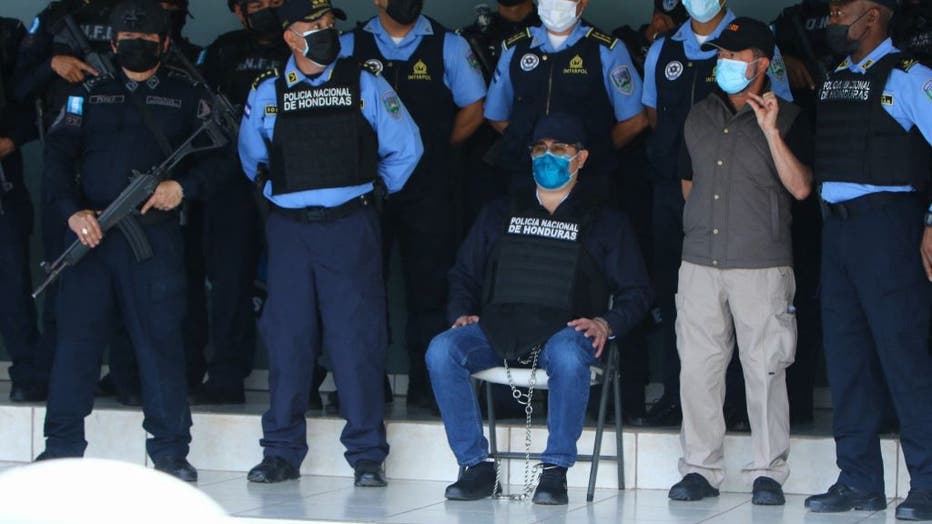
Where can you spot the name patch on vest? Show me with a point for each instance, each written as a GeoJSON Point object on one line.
{"type": "Point", "coordinates": [543, 227]}
{"type": "Point", "coordinates": [853, 90]}
{"type": "Point", "coordinates": [324, 98]}
{"type": "Point", "coordinates": [106, 99]}
{"type": "Point", "coordinates": [162, 101]}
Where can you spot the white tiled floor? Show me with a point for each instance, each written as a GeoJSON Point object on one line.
{"type": "Point", "coordinates": [334, 499]}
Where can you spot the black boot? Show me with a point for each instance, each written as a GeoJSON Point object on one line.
{"type": "Point", "coordinates": [178, 467]}
{"type": "Point", "coordinates": [475, 483]}
{"type": "Point", "coordinates": [917, 506]}
{"type": "Point", "coordinates": [693, 487]}
{"type": "Point", "coordinates": [368, 474]}
{"type": "Point", "coordinates": [767, 492]}
{"type": "Point", "coordinates": [271, 470]}
{"type": "Point", "coordinates": [845, 498]}
{"type": "Point", "coordinates": [551, 490]}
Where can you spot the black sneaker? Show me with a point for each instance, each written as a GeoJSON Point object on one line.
{"type": "Point", "coordinates": [845, 498]}
{"type": "Point", "coordinates": [551, 490]}
{"type": "Point", "coordinates": [271, 470]}
{"type": "Point", "coordinates": [693, 487]}
{"type": "Point", "coordinates": [917, 506]}
{"type": "Point", "coordinates": [767, 492]}
{"type": "Point", "coordinates": [475, 483]}
{"type": "Point", "coordinates": [369, 474]}
{"type": "Point", "coordinates": [178, 467]}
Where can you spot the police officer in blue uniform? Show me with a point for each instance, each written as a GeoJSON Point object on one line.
{"type": "Point", "coordinates": [326, 131]}
{"type": "Point", "coordinates": [536, 271]}
{"type": "Point", "coordinates": [109, 127]}
{"type": "Point", "coordinates": [223, 236]}
{"type": "Point", "coordinates": [872, 159]}
{"type": "Point", "coordinates": [565, 65]}
{"type": "Point", "coordinates": [29, 372]}
{"type": "Point", "coordinates": [49, 65]}
{"type": "Point", "coordinates": [677, 74]}
{"type": "Point", "coordinates": [438, 78]}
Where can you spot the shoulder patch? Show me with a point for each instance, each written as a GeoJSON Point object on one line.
{"type": "Point", "coordinates": [374, 67]}
{"type": "Point", "coordinates": [271, 73]}
{"type": "Point", "coordinates": [517, 37]}
{"type": "Point", "coordinates": [91, 83]}
{"type": "Point", "coordinates": [607, 40]}
{"type": "Point", "coordinates": [907, 64]}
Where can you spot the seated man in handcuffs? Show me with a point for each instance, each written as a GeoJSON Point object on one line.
{"type": "Point", "coordinates": [532, 282]}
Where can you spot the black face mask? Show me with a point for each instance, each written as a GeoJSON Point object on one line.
{"type": "Point", "coordinates": [263, 22]}
{"type": "Point", "coordinates": [837, 39]}
{"type": "Point", "coordinates": [323, 46]}
{"type": "Point", "coordinates": [138, 55]}
{"type": "Point", "coordinates": [405, 12]}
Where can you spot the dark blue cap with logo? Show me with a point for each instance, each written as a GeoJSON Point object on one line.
{"type": "Point", "coordinates": [139, 16]}
{"type": "Point", "coordinates": [560, 127]}
{"type": "Point", "coordinates": [306, 11]}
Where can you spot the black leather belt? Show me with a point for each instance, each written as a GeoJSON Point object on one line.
{"type": "Point", "coordinates": [865, 204]}
{"type": "Point", "coordinates": [313, 214]}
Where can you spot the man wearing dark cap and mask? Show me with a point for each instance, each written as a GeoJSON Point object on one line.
{"type": "Point", "coordinates": [110, 127]}
{"type": "Point", "coordinates": [667, 17]}
{"type": "Point", "coordinates": [873, 132]}
{"type": "Point", "coordinates": [439, 80]}
{"type": "Point", "coordinates": [326, 130]}
{"type": "Point", "coordinates": [223, 240]}
{"type": "Point", "coordinates": [747, 156]}
{"type": "Point", "coordinates": [912, 28]}
{"type": "Point", "coordinates": [533, 281]}
{"type": "Point", "coordinates": [178, 14]}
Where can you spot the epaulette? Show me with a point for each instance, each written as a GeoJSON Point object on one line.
{"type": "Point", "coordinates": [371, 68]}
{"type": "Point", "coordinates": [515, 38]}
{"type": "Point", "coordinates": [907, 63]}
{"type": "Point", "coordinates": [607, 40]}
{"type": "Point", "coordinates": [271, 73]}
{"type": "Point", "coordinates": [91, 83]}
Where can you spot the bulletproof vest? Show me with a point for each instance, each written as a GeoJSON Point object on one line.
{"type": "Point", "coordinates": [681, 82]}
{"type": "Point", "coordinates": [486, 40]}
{"type": "Point", "coordinates": [570, 81]}
{"type": "Point", "coordinates": [540, 276]}
{"type": "Point", "coordinates": [321, 139]}
{"type": "Point", "coordinates": [419, 83]}
{"type": "Point", "coordinates": [94, 20]}
{"type": "Point", "coordinates": [857, 140]}
{"type": "Point", "coordinates": [241, 59]}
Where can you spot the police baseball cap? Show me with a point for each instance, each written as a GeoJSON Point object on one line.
{"type": "Point", "coordinates": [742, 34]}
{"type": "Point", "coordinates": [139, 16]}
{"type": "Point", "coordinates": [306, 11]}
{"type": "Point", "coordinates": [560, 127]}
{"type": "Point", "coordinates": [889, 4]}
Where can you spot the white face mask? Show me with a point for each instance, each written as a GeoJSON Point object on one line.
{"type": "Point", "coordinates": [557, 15]}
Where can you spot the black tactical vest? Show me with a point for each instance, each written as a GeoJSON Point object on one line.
{"type": "Point", "coordinates": [570, 81]}
{"type": "Point", "coordinates": [321, 139]}
{"type": "Point", "coordinates": [857, 140]}
{"type": "Point", "coordinates": [540, 277]}
{"type": "Point", "coordinates": [681, 83]}
{"type": "Point", "coordinates": [419, 83]}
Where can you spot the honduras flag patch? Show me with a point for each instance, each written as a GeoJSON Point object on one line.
{"type": "Point", "coordinates": [75, 105]}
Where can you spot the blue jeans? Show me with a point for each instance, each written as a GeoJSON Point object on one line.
{"type": "Point", "coordinates": [455, 354]}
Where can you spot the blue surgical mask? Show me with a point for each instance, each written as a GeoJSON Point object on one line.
{"type": "Point", "coordinates": [552, 172]}
{"type": "Point", "coordinates": [732, 75]}
{"type": "Point", "coordinates": [702, 10]}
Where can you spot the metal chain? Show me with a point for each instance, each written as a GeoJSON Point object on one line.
{"type": "Point", "coordinates": [526, 400]}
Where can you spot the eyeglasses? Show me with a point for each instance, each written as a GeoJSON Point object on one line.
{"type": "Point", "coordinates": [557, 148]}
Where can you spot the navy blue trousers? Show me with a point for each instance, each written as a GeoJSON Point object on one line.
{"type": "Point", "coordinates": [325, 289]}
{"type": "Point", "coordinates": [150, 299]}
{"type": "Point", "coordinates": [875, 311]}
{"type": "Point", "coordinates": [17, 311]}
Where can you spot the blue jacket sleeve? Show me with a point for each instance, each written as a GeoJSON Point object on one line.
{"type": "Point", "coordinates": [63, 148]}
{"type": "Point", "coordinates": [626, 273]}
{"type": "Point", "coordinates": [468, 272]}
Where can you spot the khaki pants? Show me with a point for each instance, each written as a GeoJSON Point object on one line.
{"type": "Point", "coordinates": [713, 307]}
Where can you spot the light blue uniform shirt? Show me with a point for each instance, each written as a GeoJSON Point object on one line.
{"type": "Point", "coordinates": [625, 97]}
{"type": "Point", "coordinates": [400, 146]}
{"type": "Point", "coordinates": [685, 34]}
{"type": "Point", "coordinates": [911, 93]}
{"type": "Point", "coordinates": [461, 74]}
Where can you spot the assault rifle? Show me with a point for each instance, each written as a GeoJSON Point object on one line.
{"type": "Point", "coordinates": [227, 114]}
{"type": "Point", "coordinates": [101, 62]}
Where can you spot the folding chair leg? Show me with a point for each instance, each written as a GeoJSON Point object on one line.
{"type": "Point", "coordinates": [599, 428]}
{"type": "Point", "coordinates": [619, 437]}
{"type": "Point", "coordinates": [490, 404]}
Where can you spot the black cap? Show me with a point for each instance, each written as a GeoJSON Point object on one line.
{"type": "Point", "coordinates": [560, 127]}
{"type": "Point", "coordinates": [889, 4]}
{"type": "Point", "coordinates": [306, 11]}
{"type": "Point", "coordinates": [139, 16]}
{"type": "Point", "coordinates": [742, 34]}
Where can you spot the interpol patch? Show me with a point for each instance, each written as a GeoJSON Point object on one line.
{"type": "Point", "coordinates": [622, 79]}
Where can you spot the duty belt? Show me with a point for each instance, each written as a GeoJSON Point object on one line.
{"type": "Point", "coordinates": [313, 214]}
{"type": "Point", "coordinates": [865, 204]}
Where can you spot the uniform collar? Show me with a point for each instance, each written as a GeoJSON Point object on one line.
{"type": "Point", "coordinates": [540, 38]}
{"type": "Point", "coordinates": [686, 35]}
{"type": "Point", "coordinates": [885, 48]}
{"type": "Point", "coordinates": [422, 27]}
{"type": "Point", "coordinates": [294, 76]}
